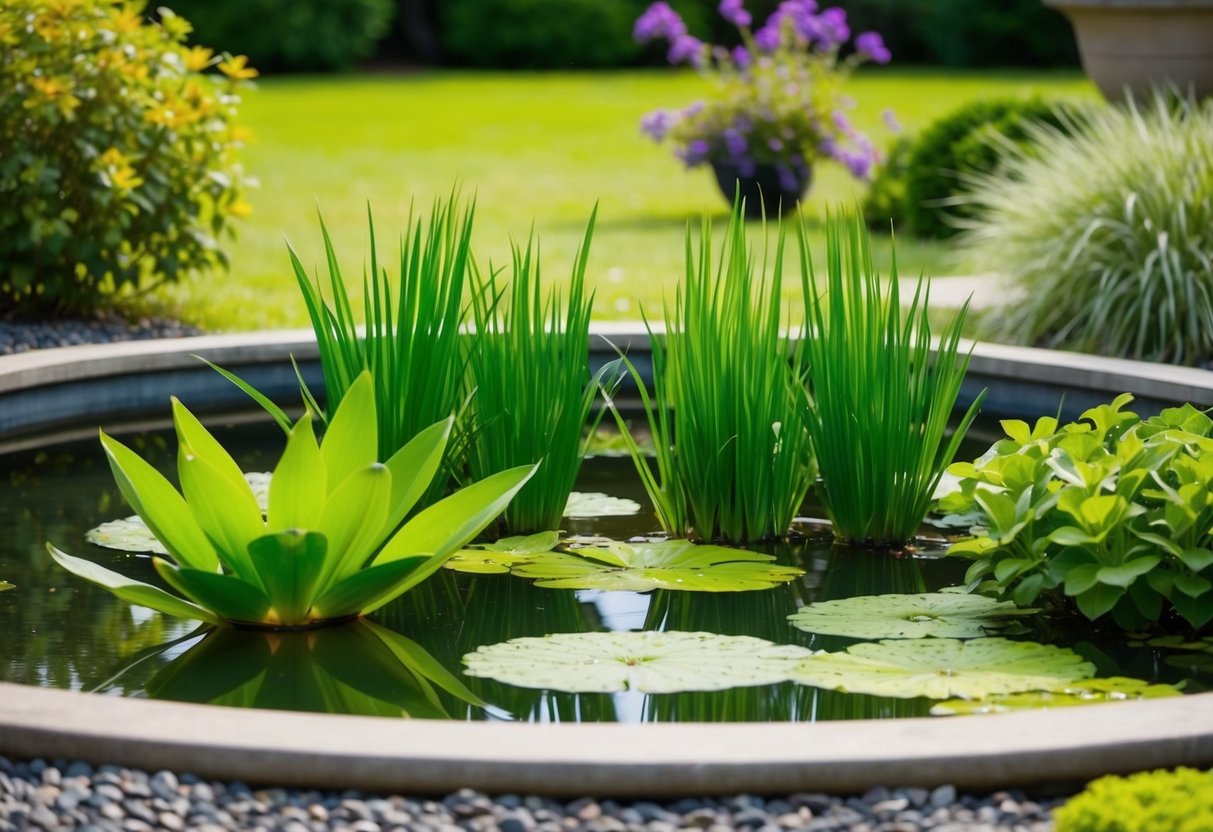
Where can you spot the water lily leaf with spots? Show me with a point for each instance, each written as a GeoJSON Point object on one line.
{"type": "Point", "coordinates": [1089, 692]}
{"type": "Point", "coordinates": [668, 564]}
{"type": "Point", "coordinates": [938, 614]}
{"type": "Point", "coordinates": [649, 662]}
{"type": "Point", "coordinates": [584, 505]}
{"type": "Point", "coordinates": [497, 558]}
{"type": "Point", "coordinates": [943, 668]}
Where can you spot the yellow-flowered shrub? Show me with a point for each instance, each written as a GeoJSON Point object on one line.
{"type": "Point", "coordinates": [118, 149]}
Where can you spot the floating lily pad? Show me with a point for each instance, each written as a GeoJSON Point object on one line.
{"type": "Point", "coordinates": [938, 614]}
{"type": "Point", "coordinates": [942, 668]}
{"type": "Point", "coordinates": [497, 558]}
{"type": "Point", "coordinates": [969, 521]}
{"type": "Point", "coordinates": [131, 534]}
{"type": "Point", "coordinates": [650, 662]}
{"type": "Point", "coordinates": [6, 585]}
{"type": "Point", "coordinates": [584, 505]}
{"type": "Point", "coordinates": [669, 564]}
{"type": "Point", "coordinates": [1089, 692]}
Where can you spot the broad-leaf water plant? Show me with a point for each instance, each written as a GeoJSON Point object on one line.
{"type": "Point", "coordinates": [330, 546]}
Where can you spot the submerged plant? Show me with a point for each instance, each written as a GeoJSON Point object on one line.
{"type": "Point", "coordinates": [330, 546]}
{"type": "Point", "coordinates": [532, 387]}
{"type": "Point", "coordinates": [727, 413]}
{"type": "Point", "coordinates": [881, 394]}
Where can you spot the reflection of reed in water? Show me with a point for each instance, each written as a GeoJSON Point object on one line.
{"type": "Point", "coordinates": [502, 607]}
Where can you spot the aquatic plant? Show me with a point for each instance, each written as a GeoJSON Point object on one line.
{"type": "Point", "coordinates": [882, 394]}
{"type": "Point", "coordinates": [331, 545]}
{"type": "Point", "coordinates": [1106, 232]}
{"type": "Point", "coordinates": [929, 614]}
{"type": "Point", "coordinates": [727, 413]}
{"type": "Point", "coordinates": [1111, 514]}
{"type": "Point", "coordinates": [532, 391]}
{"type": "Point", "coordinates": [1162, 800]}
{"type": "Point", "coordinates": [1065, 695]}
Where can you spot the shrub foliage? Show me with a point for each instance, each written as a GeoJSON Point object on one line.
{"type": "Point", "coordinates": [1175, 801]}
{"type": "Point", "coordinates": [117, 152]}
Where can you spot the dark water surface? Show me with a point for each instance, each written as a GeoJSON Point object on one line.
{"type": "Point", "coordinates": [59, 631]}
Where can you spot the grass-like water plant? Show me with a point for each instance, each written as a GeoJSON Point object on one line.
{"type": "Point", "coordinates": [881, 395]}
{"type": "Point", "coordinates": [532, 388]}
{"type": "Point", "coordinates": [1106, 233]}
{"type": "Point", "coordinates": [727, 414]}
{"type": "Point", "coordinates": [330, 546]}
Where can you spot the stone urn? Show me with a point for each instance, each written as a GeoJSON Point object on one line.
{"type": "Point", "coordinates": [763, 187]}
{"type": "Point", "coordinates": [1135, 45]}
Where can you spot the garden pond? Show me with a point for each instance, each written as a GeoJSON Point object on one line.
{"type": "Point", "coordinates": [407, 659]}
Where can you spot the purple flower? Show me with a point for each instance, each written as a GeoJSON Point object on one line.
{"type": "Point", "coordinates": [775, 145]}
{"type": "Point", "coordinates": [842, 123]}
{"type": "Point", "coordinates": [734, 12]}
{"type": "Point", "coordinates": [871, 45]}
{"type": "Point", "coordinates": [746, 167]}
{"type": "Point", "coordinates": [657, 124]}
{"type": "Point", "coordinates": [890, 120]}
{"type": "Point", "coordinates": [859, 163]}
{"type": "Point", "coordinates": [696, 153]}
{"type": "Point", "coordinates": [800, 15]}
{"type": "Point", "coordinates": [686, 48]}
{"type": "Point", "coordinates": [659, 21]}
{"type": "Point", "coordinates": [788, 180]}
{"type": "Point", "coordinates": [741, 57]}
{"type": "Point", "coordinates": [830, 28]}
{"type": "Point", "coordinates": [735, 144]}
{"type": "Point", "coordinates": [767, 38]}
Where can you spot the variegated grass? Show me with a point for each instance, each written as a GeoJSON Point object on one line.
{"type": "Point", "coordinates": [881, 397]}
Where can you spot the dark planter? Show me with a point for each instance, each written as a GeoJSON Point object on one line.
{"type": "Point", "coordinates": [762, 187]}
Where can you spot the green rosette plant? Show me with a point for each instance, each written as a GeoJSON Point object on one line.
{"type": "Point", "coordinates": [330, 546]}
{"type": "Point", "coordinates": [1112, 514]}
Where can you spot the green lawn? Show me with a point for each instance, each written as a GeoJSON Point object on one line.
{"type": "Point", "coordinates": [533, 148]}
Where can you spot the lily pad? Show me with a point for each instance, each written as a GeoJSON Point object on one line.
{"type": "Point", "coordinates": [6, 585]}
{"type": "Point", "coordinates": [942, 668]}
{"type": "Point", "coordinates": [938, 614]}
{"type": "Point", "coordinates": [1089, 692]}
{"type": "Point", "coordinates": [584, 505]}
{"type": "Point", "coordinates": [668, 564]}
{"type": "Point", "coordinates": [498, 557]}
{"type": "Point", "coordinates": [131, 534]}
{"type": "Point", "coordinates": [649, 662]}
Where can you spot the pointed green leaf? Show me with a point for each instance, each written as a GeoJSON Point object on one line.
{"type": "Point", "coordinates": [298, 486]}
{"type": "Point", "coordinates": [417, 659]}
{"type": "Point", "coordinates": [353, 522]}
{"type": "Point", "coordinates": [413, 468]}
{"type": "Point", "coordinates": [289, 564]}
{"type": "Point", "coordinates": [1098, 600]}
{"type": "Point", "coordinates": [1192, 585]}
{"type": "Point", "coordinates": [1197, 559]}
{"type": "Point", "coordinates": [227, 512]}
{"type": "Point", "coordinates": [225, 595]}
{"type": "Point", "coordinates": [1126, 573]}
{"type": "Point", "coordinates": [162, 508]}
{"type": "Point", "coordinates": [192, 434]}
{"type": "Point", "coordinates": [1071, 536]}
{"type": "Point", "coordinates": [352, 439]}
{"type": "Point", "coordinates": [1081, 578]}
{"type": "Point", "coordinates": [130, 590]}
{"type": "Point", "coordinates": [375, 585]}
{"type": "Point", "coordinates": [276, 412]}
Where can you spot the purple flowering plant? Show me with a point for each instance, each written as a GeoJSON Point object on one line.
{"type": "Point", "coordinates": [777, 99]}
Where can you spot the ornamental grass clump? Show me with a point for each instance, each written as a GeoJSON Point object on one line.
{"type": "Point", "coordinates": [118, 152]}
{"type": "Point", "coordinates": [727, 413]}
{"type": "Point", "coordinates": [881, 394]}
{"type": "Point", "coordinates": [532, 392]}
{"type": "Point", "coordinates": [330, 546]}
{"type": "Point", "coordinates": [1106, 231]}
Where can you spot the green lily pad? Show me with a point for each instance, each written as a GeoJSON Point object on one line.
{"type": "Point", "coordinates": [942, 668]}
{"type": "Point", "coordinates": [969, 521]}
{"type": "Point", "coordinates": [650, 662]}
{"type": "Point", "coordinates": [668, 564]}
{"type": "Point", "coordinates": [938, 614]}
{"type": "Point", "coordinates": [1089, 692]}
{"type": "Point", "coordinates": [6, 585]}
{"type": "Point", "coordinates": [584, 505]}
{"type": "Point", "coordinates": [131, 534]}
{"type": "Point", "coordinates": [498, 557]}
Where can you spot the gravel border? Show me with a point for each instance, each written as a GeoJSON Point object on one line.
{"type": "Point", "coordinates": [106, 328]}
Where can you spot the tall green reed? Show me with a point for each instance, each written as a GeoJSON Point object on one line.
{"type": "Point", "coordinates": [727, 412]}
{"type": "Point", "coordinates": [532, 388]}
{"type": "Point", "coordinates": [880, 400]}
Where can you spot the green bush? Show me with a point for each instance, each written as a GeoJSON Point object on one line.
{"type": "Point", "coordinates": [885, 200]}
{"type": "Point", "coordinates": [1112, 514]}
{"type": "Point", "coordinates": [539, 34]}
{"type": "Point", "coordinates": [1106, 233]}
{"type": "Point", "coordinates": [117, 152]}
{"type": "Point", "coordinates": [1153, 801]}
{"type": "Point", "coordinates": [291, 35]}
{"type": "Point", "coordinates": [940, 161]}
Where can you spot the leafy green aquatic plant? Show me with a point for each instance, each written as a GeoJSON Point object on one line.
{"type": "Point", "coordinates": [588, 504]}
{"type": "Point", "coordinates": [668, 564]}
{"type": "Point", "coordinates": [331, 545]}
{"type": "Point", "coordinates": [940, 668]}
{"type": "Point", "coordinates": [934, 614]}
{"type": "Point", "coordinates": [1067, 695]}
{"type": "Point", "coordinates": [1112, 513]}
{"type": "Point", "coordinates": [650, 662]}
{"type": "Point", "coordinates": [727, 412]}
{"type": "Point", "coordinates": [1159, 801]}
{"type": "Point", "coordinates": [6, 585]}
{"type": "Point", "coordinates": [499, 556]}
{"type": "Point", "coordinates": [880, 402]}
{"type": "Point", "coordinates": [532, 387]}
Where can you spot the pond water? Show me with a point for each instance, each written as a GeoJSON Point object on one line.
{"type": "Point", "coordinates": [59, 631]}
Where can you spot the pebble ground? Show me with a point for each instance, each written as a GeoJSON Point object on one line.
{"type": "Point", "coordinates": [76, 795]}
{"type": "Point", "coordinates": [19, 336]}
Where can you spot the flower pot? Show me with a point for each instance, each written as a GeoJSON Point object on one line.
{"type": "Point", "coordinates": [763, 187]}
{"type": "Point", "coordinates": [1138, 44]}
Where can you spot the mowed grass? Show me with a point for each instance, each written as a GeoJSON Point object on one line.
{"type": "Point", "coordinates": [532, 148]}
